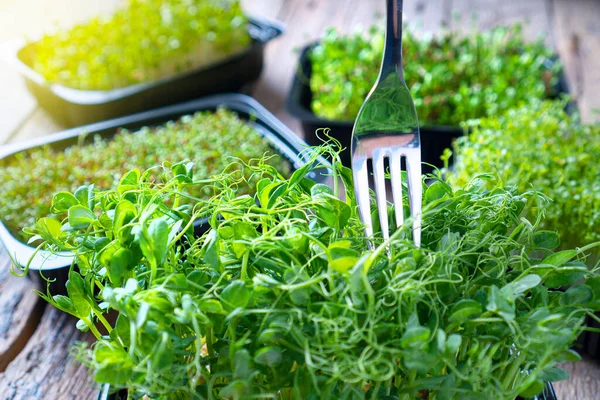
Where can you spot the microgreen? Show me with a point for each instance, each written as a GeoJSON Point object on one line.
{"type": "Point", "coordinates": [451, 77]}
{"type": "Point", "coordinates": [283, 299]}
{"type": "Point", "coordinates": [144, 40]}
{"type": "Point", "coordinates": [544, 147]}
{"type": "Point", "coordinates": [211, 139]}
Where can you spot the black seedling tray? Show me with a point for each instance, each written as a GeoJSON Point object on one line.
{"type": "Point", "coordinates": [74, 107]}
{"type": "Point", "coordinates": [281, 138]}
{"type": "Point", "coordinates": [434, 139]}
{"type": "Point", "coordinates": [547, 394]}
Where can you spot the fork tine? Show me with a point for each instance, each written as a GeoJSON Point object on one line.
{"type": "Point", "coordinates": [396, 176]}
{"type": "Point", "coordinates": [415, 191]}
{"type": "Point", "coordinates": [380, 193]}
{"type": "Point", "coordinates": [361, 182]}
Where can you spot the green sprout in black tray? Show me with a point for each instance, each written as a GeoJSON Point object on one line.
{"type": "Point", "coordinates": [543, 147]}
{"type": "Point", "coordinates": [143, 41]}
{"type": "Point", "coordinates": [452, 77]}
{"type": "Point", "coordinates": [283, 298]}
{"type": "Point", "coordinates": [210, 139]}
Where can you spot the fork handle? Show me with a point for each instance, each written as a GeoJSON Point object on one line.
{"type": "Point", "coordinates": [392, 54]}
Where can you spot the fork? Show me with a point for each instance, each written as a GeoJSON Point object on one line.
{"type": "Point", "coordinates": [387, 127]}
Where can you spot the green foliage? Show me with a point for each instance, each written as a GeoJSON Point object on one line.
{"type": "Point", "coordinates": [212, 140]}
{"type": "Point", "coordinates": [543, 147]}
{"type": "Point", "coordinates": [282, 298]}
{"type": "Point", "coordinates": [145, 40]}
{"type": "Point", "coordinates": [452, 78]}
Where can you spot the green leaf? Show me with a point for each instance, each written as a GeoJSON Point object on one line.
{"type": "Point", "coordinates": [524, 284]}
{"type": "Point", "coordinates": [532, 390]}
{"type": "Point", "coordinates": [453, 343]}
{"type": "Point", "coordinates": [142, 315]}
{"type": "Point", "coordinates": [436, 191]}
{"type": "Point", "coordinates": [560, 258]}
{"type": "Point", "coordinates": [577, 296]}
{"type": "Point", "coordinates": [183, 172]}
{"type": "Point", "coordinates": [125, 212]}
{"type": "Point", "coordinates": [449, 242]}
{"type": "Point", "coordinates": [129, 181]}
{"type": "Point", "coordinates": [499, 302]}
{"type": "Point", "coordinates": [568, 274]}
{"type": "Point", "coordinates": [78, 294]}
{"type": "Point", "coordinates": [120, 262]}
{"type": "Point", "coordinates": [242, 362]}
{"type": "Point", "coordinates": [554, 374]}
{"type": "Point", "coordinates": [269, 356]}
{"type": "Point", "coordinates": [211, 249]}
{"type": "Point", "coordinates": [341, 257]}
{"type": "Point", "coordinates": [49, 228]}
{"type": "Point", "coordinates": [81, 217]}
{"type": "Point", "coordinates": [236, 295]}
{"type": "Point", "coordinates": [546, 240]}
{"type": "Point", "coordinates": [62, 201]}
{"type": "Point", "coordinates": [115, 366]}
{"type": "Point", "coordinates": [464, 309]}
{"type": "Point", "coordinates": [211, 306]}
{"type": "Point", "coordinates": [85, 196]}
{"type": "Point", "coordinates": [416, 336]}
{"type": "Point", "coordinates": [154, 241]}
{"type": "Point", "coordinates": [298, 175]}
{"type": "Point", "coordinates": [65, 304]}
{"type": "Point", "coordinates": [568, 355]}
{"type": "Point", "coordinates": [270, 193]}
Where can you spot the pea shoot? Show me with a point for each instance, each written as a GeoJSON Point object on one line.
{"type": "Point", "coordinates": [452, 77]}
{"type": "Point", "coordinates": [283, 299]}
{"type": "Point", "coordinates": [142, 41]}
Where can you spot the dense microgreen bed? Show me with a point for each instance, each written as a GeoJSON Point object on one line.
{"type": "Point", "coordinates": [452, 77]}
{"type": "Point", "coordinates": [210, 139]}
{"type": "Point", "coordinates": [282, 298]}
{"type": "Point", "coordinates": [541, 146]}
{"type": "Point", "coordinates": [142, 41]}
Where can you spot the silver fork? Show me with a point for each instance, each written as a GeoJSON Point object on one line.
{"type": "Point", "coordinates": [387, 127]}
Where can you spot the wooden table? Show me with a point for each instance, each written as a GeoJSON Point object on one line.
{"type": "Point", "coordinates": [35, 339]}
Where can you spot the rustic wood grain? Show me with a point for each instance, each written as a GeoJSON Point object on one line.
{"type": "Point", "coordinates": [485, 14]}
{"type": "Point", "coordinates": [583, 383]}
{"type": "Point", "coordinates": [45, 370]}
{"type": "Point", "coordinates": [577, 35]}
{"type": "Point", "coordinates": [20, 312]}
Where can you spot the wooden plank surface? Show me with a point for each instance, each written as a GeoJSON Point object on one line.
{"type": "Point", "coordinates": [45, 369]}
{"type": "Point", "coordinates": [577, 36]}
{"type": "Point", "coordinates": [20, 312]}
{"type": "Point", "coordinates": [572, 26]}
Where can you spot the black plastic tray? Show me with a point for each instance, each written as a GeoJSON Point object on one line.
{"type": "Point", "coordinates": [547, 394]}
{"type": "Point", "coordinates": [73, 107]}
{"type": "Point", "coordinates": [282, 139]}
{"type": "Point", "coordinates": [434, 139]}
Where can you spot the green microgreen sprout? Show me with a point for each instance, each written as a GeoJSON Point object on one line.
{"type": "Point", "coordinates": [210, 139]}
{"type": "Point", "coordinates": [452, 77]}
{"type": "Point", "coordinates": [544, 147]}
{"type": "Point", "coordinates": [283, 299]}
{"type": "Point", "coordinates": [143, 41]}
